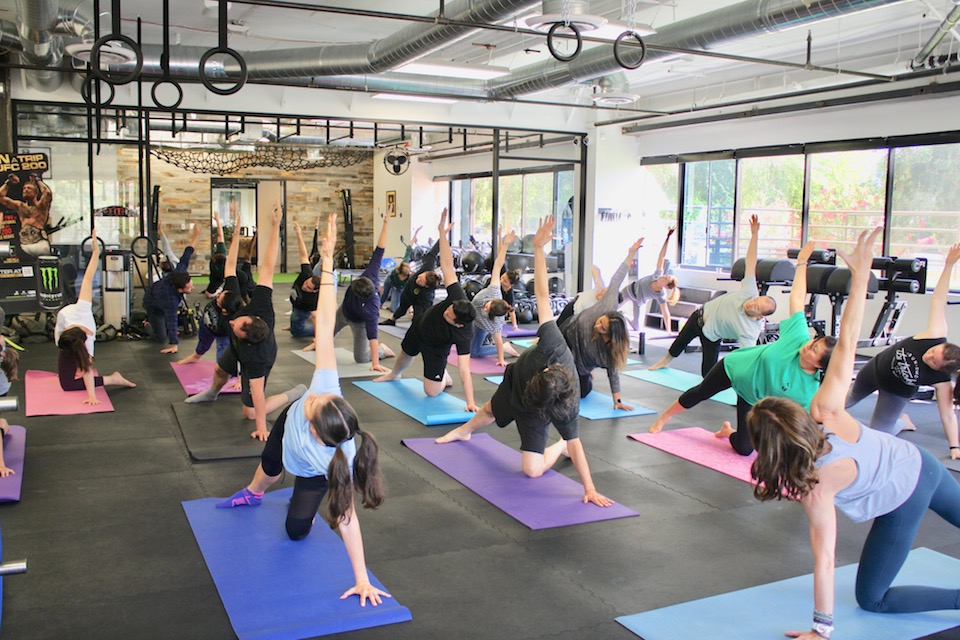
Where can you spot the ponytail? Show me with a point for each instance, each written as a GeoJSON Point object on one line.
{"type": "Point", "coordinates": [366, 471]}
{"type": "Point", "coordinates": [73, 342]}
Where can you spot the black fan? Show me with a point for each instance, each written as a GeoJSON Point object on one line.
{"type": "Point", "coordinates": [397, 161]}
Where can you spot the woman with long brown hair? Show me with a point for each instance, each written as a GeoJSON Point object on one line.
{"type": "Point", "coordinates": [827, 460]}
{"type": "Point", "coordinates": [315, 439]}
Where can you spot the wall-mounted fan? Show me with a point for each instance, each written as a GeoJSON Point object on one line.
{"type": "Point", "coordinates": [397, 161]}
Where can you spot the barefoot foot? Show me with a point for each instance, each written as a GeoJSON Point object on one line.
{"type": "Point", "coordinates": [453, 436]}
{"type": "Point", "coordinates": [725, 431]}
{"type": "Point", "coordinates": [118, 380]}
{"type": "Point", "coordinates": [908, 424]}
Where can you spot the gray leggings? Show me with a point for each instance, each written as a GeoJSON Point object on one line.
{"type": "Point", "coordinates": [361, 345]}
{"type": "Point", "coordinates": [886, 415]}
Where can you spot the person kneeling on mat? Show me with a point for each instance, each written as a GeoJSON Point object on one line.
{"type": "Point", "coordinates": [303, 293]}
{"type": "Point", "coordinates": [492, 310]}
{"type": "Point", "coordinates": [540, 388]}
{"type": "Point", "coordinates": [162, 298]}
{"type": "Point", "coordinates": [315, 439]}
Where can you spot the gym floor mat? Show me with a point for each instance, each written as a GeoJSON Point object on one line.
{"type": "Point", "coordinates": [214, 432]}
{"type": "Point", "coordinates": [346, 367]}
{"type": "Point", "coordinates": [479, 366]}
{"type": "Point", "coordinates": [596, 406]}
{"type": "Point", "coordinates": [407, 396]}
{"type": "Point", "coordinates": [274, 588]}
{"type": "Point", "coordinates": [14, 444]}
{"type": "Point", "coordinates": [44, 397]}
{"type": "Point", "coordinates": [769, 610]}
{"type": "Point", "coordinates": [700, 446]}
{"type": "Point", "coordinates": [493, 471]}
{"type": "Point", "coordinates": [197, 377]}
{"type": "Point", "coordinates": [681, 381]}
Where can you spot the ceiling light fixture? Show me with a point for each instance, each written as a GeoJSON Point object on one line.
{"type": "Point", "coordinates": [409, 97]}
{"type": "Point", "coordinates": [563, 11]}
{"type": "Point", "coordinates": [453, 70]}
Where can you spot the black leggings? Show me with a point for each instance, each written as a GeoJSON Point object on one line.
{"type": "Point", "coordinates": [693, 328]}
{"type": "Point", "coordinates": [308, 493]}
{"type": "Point", "coordinates": [586, 385]}
{"type": "Point", "coordinates": [67, 370]}
{"type": "Point", "coordinates": [567, 312]}
{"type": "Point", "coordinates": [715, 381]}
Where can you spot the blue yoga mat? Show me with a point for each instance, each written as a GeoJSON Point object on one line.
{"type": "Point", "coordinates": [526, 344]}
{"type": "Point", "coordinates": [596, 406]}
{"type": "Point", "coordinates": [767, 611]}
{"type": "Point", "coordinates": [274, 588]}
{"type": "Point", "coordinates": [681, 381]}
{"type": "Point", "coordinates": [408, 396]}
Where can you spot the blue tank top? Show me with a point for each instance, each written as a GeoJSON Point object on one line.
{"type": "Point", "coordinates": [887, 473]}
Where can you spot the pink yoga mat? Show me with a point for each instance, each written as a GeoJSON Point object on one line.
{"type": "Point", "coordinates": [13, 446]}
{"type": "Point", "coordinates": [44, 397]}
{"type": "Point", "coordinates": [700, 446]}
{"type": "Point", "coordinates": [197, 377]}
{"type": "Point", "coordinates": [480, 366]}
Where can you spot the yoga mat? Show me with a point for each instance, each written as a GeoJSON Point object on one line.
{"type": "Point", "coordinates": [480, 366]}
{"type": "Point", "coordinates": [493, 471]}
{"type": "Point", "coordinates": [397, 331]}
{"type": "Point", "coordinates": [13, 447]}
{"type": "Point", "coordinates": [509, 332]}
{"type": "Point", "coordinates": [197, 377]}
{"type": "Point", "coordinates": [212, 431]}
{"type": "Point", "coordinates": [274, 588]}
{"type": "Point", "coordinates": [596, 406]}
{"type": "Point", "coordinates": [44, 397]}
{"type": "Point", "coordinates": [346, 367]}
{"type": "Point", "coordinates": [526, 343]}
{"type": "Point", "coordinates": [700, 446]}
{"type": "Point", "coordinates": [407, 396]}
{"type": "Point", "coordinates": [681, 381]}
{"type": "Point", "coordinates": [769, 610]}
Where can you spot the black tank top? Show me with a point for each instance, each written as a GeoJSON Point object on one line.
{"type": "Point", "coordinates": [901, 369]}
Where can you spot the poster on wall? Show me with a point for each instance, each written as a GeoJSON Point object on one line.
{"type": "Point", "coordinates": [29, 272]}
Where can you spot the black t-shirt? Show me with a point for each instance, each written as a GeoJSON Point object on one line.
{"type": "Point", "coordinates": [415, 295]}
{"type": "Point", "coordinates": [213, 318]}
{"type": "Point", "coordinates": [303, 300]}
{"type": "Point", "coordinates": [901, 369]}
{"type": "Point", "coordinates": [507, 295]}
{"type": "Point", "coordinates": [436, 334]}
{"type": "Point", "coordinates": [257, 359]}
{"type": "Point", "coordinates": [550, 349]}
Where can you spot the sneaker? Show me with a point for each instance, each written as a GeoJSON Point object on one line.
{"type": "Point", "coordinates": [242, 498]}
{"type": "Point", "coordinates": [389, 322]}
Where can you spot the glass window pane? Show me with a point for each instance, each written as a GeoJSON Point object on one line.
{"type": "Point", "coordinates": [511, 202]}
{"type": "Point", "coordinates": [481, 206]}
{"type": "Point", "coordinates": [662, 193]}
{"type": "Point", "coordinates": [847, 195]}
{"type": "Point", "coordinates": [926, 204]}
{"type": "Point", "coordinates": [537, 200]}
{"type": "Point", "coordinates": [565, 207]}
{"type": "Point", "coordinates": [772, 189]}
{"type": "Point", "coordinates": [708, 213]}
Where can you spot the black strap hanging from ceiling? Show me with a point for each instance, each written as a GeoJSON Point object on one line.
{"type": "Point", "coordinates": [114, 77]}
{"type": "Point", "coordinates": [165, 66]}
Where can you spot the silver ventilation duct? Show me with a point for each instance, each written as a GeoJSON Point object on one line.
{"type": "Point", "coordinates": [36, 20]}
{"type": "Point", "coordinates": [9, 38]}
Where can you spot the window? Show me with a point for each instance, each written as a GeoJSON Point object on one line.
{"type": "Point", "coordinates": [772, 189]}
{"type": "Point", "coordinates": [708, 213]}
{"type": "Point", "coordinates": [847, 194]}
{"type": "Point", "coordinates": [661, 183]}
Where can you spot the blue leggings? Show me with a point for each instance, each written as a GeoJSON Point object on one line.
{"type": "Point", "coordinates": [891, 537]}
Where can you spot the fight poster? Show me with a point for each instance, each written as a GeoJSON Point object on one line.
{"type": "Point", "coordinates": [30, 278]}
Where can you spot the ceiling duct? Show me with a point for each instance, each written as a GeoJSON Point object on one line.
{"type": "Point", "coordinates": [575, 12]}
{"type": "Point", "coordinates": [36, 21]}
{"type": "Point", "coordinates": [9, 38]}
{"type": "Point", "coordinates": [613, 91]}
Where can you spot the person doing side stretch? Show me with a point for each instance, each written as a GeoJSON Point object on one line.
{"type": "Point", "coordinates": [419, 290]}
{"type": "Point", "coordinates": [315, 440]}
{"type": "Point", "coordinates": [732, 316]}
{"type": "Point", "coordinates": [925, 359]}
{"type": "Point", "coordinates": [828, 461]}
{"type": "Point", "coordinates": [219, 258]}
{"type": "Point", "coordinates": [441, 326]}
{"type": "Point", "coordinates": [539, 388]}
{"type": "Point", "coordinates": [162, 298]}
{"type": "Point", "coordinates": [303, 293]}
{"type": "Point", "coordinates": [598, 336]}
{"type": "Point", "coordinates": [74, 335]}
{"type": "Point", "coordinates": [788, 368]}
{"type": "Point", "coordinates": [492, 312]}
{"type": "Point", "coordinates": [661, 286]}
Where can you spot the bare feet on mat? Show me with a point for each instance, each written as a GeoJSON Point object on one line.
{"type": "Point", "coordinates": [453, 436]}
{"type": "Point", "coordinates": [726, 430]}
{"type": "Point", "coordinates": [190, 359]}
{"type": "Point", "coordinates": [393, 375]}
{"type": "Point", "coordinates": [657, 426]}
{"type": "Point", "coordinates": [118, 380]}
{"type": "Point", "coordinates": [447, 380]}
{"type": "Point", "coordinates": [907, 423]}
{"type": "Point", "coordinates": [387, 352]}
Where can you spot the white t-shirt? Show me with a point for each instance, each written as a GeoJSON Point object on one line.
{"type": "Point", "coordinates": [80, 314]}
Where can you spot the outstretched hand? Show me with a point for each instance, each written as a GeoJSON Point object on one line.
{"type": "Point", "coordinates": [329, 239]}
{"type": "Point", "coordinates": [806, 252]}
{"type": "Point", "coordinates": [544, 234]}
{"type": "Point", "coordinates": [636, 246]}
{"type": "Point", "coordinates": [754, 224]}
{"type": "Point", "coordinates": [860, 259]}
{"type": "Point", "coordinates": [508, 239]}
{"type": "Point", "coordinates": [953, 254]}
{"type": "Point", "coordinates": [277, 213]}
{"type": "Point", "coordinates": [671, 231]}
{"type": "Point", "coordinates": [443, 226]}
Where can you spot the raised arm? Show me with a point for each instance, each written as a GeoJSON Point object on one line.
{"type": "Point", "coordinates": [827, 405]}
{"type": "Point", "coordinates": [937, 323]}
{"type": "Point", "coordinates": [326, 300]}
{"type": "Point", "coordinates": [541, 288]}
{"type": "Point", "coordinates": [750, 266]}
{"type": "Point", "coordinates": [86, 286]}
{"type": "Point", "coordinates": [384, 234]}
{"type": "Point", "coordinates": [413, 238]}
{"type": "Point", "coordinates": [611, 299]}
{"type": "Point", "coordinates": [662, 258]}
{"type": "Point", "coordinates": [230, 266]}
{"type": "Point", "coordinates": [798, 291]}
{"type": "Point", "coordinates": [6, 201]}
{"type": "Point", "coordinates": [501, 258]}
{"type": "Point", "coordinates": [304, 256]}
{"type": "Point", "coordinates": [45, 198]}
{"type": "Point", "coordinates": [446, 255]}
{"type": "Point", "coordinates": [217, 221]}
{"type": "Point", "coordinates": [265, 276]}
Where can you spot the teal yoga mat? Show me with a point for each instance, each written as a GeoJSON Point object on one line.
{"type": "Point", "coordinates": [681, 381]}
{"type": "Point", "coordinates": [407, 396]}
{"type": "Point", "coordinates": [769, 610]}
{"type": "Point", "coordinates": [597, 406]}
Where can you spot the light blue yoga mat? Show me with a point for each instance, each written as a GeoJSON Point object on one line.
{"type": "Point", "coordinates": [767, 611]}
{"type": "Point", "coordinates": [596, 406]}
{"type": "Point", "coordinates": [407, 395]}
{"type": "Point", "coordinates": [681, 381]}
{"type": "Point", "coordinates": [526, 344]}
{"type": "Point", "coordinates": [274, 588]}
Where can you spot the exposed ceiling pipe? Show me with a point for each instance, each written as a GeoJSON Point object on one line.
{"type": "Point", "coordinates": [36, 20]}
{"type": "Point", "coordinates": [921, 59]}
{"type": "Point", "coordinates": [9, 38]}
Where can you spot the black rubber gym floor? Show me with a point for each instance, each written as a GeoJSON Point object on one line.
{"type": "Point", "coordinates": [111, 555]}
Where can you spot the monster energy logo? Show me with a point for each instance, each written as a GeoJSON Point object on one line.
{"type": "Point", "coordinates": [50, 278]}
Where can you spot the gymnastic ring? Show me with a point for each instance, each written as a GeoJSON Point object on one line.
{"type": "Point", "coordinates": [553, 50]}
{"type": "Point", "coordinates": [100, 74]}
{"type": "Point", "coordinates": [208, 83]}
{"type": "Point", "coordinates": [87, 250]}
{"type": "Point", "coordinates": [86, 92]}
{"type": "Point", "coordinates": [619, 56]}
{"type": "Point", "coordinates": [160, 105]}
{"type": "Point", "coordinates": [142, 247]}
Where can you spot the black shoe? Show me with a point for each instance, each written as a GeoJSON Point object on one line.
{"type": "Point", "coordinates": [389, 322]}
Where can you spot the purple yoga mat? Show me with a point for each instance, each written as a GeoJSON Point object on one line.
{"type": "Point", "coordinates": [13, 446]}
{"type": "Point", "coordinates": [480, 366]}
{"type": "Point", "coordinates": [44, 397]}
{"type": "Point", "coordinates": [197, 377]}
{"type": "Point", "coordinates": [492, 470]}
{"type": "Point", "coordinates": [522, 332]}
{"type": "Point", "coordinates": [700, 446]}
